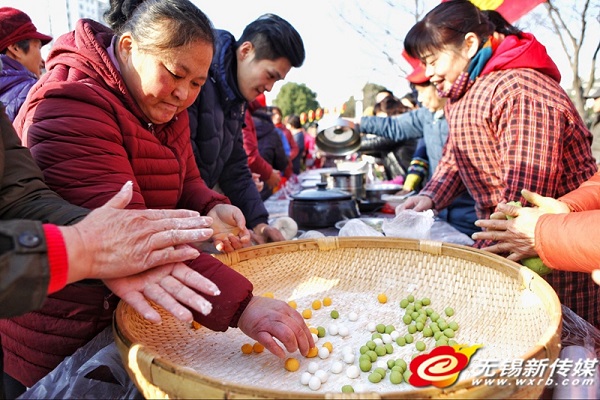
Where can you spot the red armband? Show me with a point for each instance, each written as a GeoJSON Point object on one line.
{"type": "Point", "coordinates": [57, 258]}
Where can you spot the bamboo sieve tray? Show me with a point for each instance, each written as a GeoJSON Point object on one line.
{"type": "Point", "coordinates": [507, 308]}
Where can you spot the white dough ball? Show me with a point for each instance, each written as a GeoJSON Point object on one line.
{"type": "Point", "coordinates": [323, 352]}
{"type": "Point", "coordinates": [333, 329]}
{"type": "Point", "coordinates": [337, 367]}
{"type": "Point", "coordinates": [371, 327]}
{"type": "Point", "coordinates": [378, 341]}
{"type": "Point", "coordinates": [395, 335]}
{"type": "Point", "coordinates": [344, 331]}
{"type": "Point", "coordinates": [353, 372]}
{"type": "Point", "coordinates": [314, 383]}
{"type": "Point", "coordinates": [387, 338]}
{"type": "Point", "coordinates": [348, 358]}
{"type": "Point", "coordinates": [315, 337]}
{"type": "Point", "coordinates": [322, 375]}
{"type": "Point", "coordinates": [305, 377]}
{"type": "Point", "coordinates": [312, 367]}
{"type": "Point", "coordinates": [353, 316]}
{"type": "Point", "coordinates": [287, 226]}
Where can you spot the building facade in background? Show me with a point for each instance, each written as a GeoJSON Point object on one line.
{"type": "Point", "coordinates": [77, 9]}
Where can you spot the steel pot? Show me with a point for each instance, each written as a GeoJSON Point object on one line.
{"type": "Point", "coordinates": [352, 182]}
{"type": "Point", "coordinates": [375, 190]}
{"type": "Point", "coordinates": [322, 207]}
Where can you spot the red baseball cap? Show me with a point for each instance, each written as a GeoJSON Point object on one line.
{"type": "Point", "coordinates": [15, 26]}
{"type": "Point", "coordinates": [418, 76]}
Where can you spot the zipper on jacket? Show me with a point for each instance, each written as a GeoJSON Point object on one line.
{"type": "Point", "coordinates": [151, 127]}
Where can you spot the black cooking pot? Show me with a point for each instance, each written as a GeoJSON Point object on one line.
{"type": "Point", "coordinates": [322, 207]}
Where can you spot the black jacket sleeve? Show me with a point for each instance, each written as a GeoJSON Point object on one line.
{"type": "Point", "coordinates": [24, 268]}
{"type": "Point", "coordinates": [26, 201]}
{"type": "Point", "coordinates": [23, 193]}
{"type": "Point", "coordinates": [237, 184]}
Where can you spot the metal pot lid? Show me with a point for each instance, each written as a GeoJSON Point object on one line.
{"type": "Point", "coordinates": [339, 137]}
{"type": "Point", "coordinates": [322, 193]}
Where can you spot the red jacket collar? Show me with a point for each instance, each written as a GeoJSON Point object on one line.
{"type": "Point", "coordinates": [522, 53]}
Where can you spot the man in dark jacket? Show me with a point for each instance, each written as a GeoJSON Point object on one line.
{"type": "Point", "coordinates": [241, 70]}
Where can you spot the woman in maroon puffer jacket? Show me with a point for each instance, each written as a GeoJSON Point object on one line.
{"type": "Point", "coordinates": [112, 108]}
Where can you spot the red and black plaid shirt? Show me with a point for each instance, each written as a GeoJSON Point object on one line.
{"type": "Point", "coordinates": [517, 129]}
{"type": "Point", "coordinates": [513, 129]}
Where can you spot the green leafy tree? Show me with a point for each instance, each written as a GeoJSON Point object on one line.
{"type": "Point", "coordinates": [294, 98]}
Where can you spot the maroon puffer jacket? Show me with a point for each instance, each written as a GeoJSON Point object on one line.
{"type": "Point", "coordinates": [89, 137]}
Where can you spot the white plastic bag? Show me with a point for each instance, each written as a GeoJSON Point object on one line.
{"type": "Point", "coordinates": [409, 224]}
{"type": "Point", "coordinates": [356, 227]}
{"type": "Point", "coordinates": [311, 235]}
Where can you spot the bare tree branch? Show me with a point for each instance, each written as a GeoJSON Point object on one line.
{"type": "Point", "coordinates": [592, 77]}
{"type": "Point", "coordinates": [566, 35]}
{"type": "Point", "coordinates": [559, 26]}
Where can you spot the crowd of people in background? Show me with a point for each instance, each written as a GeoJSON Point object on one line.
{"type": "Point", "coordinates": [158, 113]}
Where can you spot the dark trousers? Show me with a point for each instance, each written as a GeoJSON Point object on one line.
{"type": "Point", "coordinates": [10, 388]}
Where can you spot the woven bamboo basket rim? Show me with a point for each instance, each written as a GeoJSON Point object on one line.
{"type": "Point", "coordinates": [158, 377]}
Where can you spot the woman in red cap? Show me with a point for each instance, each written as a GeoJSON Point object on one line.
{"type": "Point", "coordinates": [20, 53]}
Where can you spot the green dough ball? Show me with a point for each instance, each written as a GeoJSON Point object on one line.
{"type": "Point", "coordinates": [374, 377]}
{"type": "Point", "coordinates": [381, 372]}
{"type": "Point", "coordinates": [396, 377]}
{"type": "Point", "coordinates": [347, 389]}
{"type": "Point", "coordinates": [533, 263]}
{"type": "Point", "coordinates": [365, 365]}
{"type": "Point", "coordinates": [514, 203]}
{"type": "Point", "coordinates": [536, 265]}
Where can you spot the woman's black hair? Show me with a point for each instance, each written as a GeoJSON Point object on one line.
{"type": "Point", "coordinates": [501, 25]}
{"type": "Point", "coordinates": [294, 121]}
{"type": "Point", "coordinates": [24, 45]}
{"type": "Point", "coordinates": [160, 24]}
{"type": "Point", "coordinates": [445, 27]}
